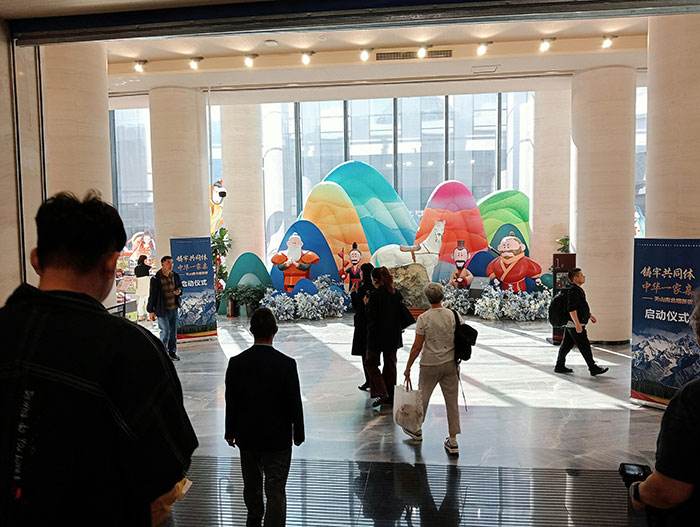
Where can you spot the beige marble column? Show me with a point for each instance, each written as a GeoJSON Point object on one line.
{"type": "Point", "coordinates": [549, 197]}
{"type": "Point", "coordinates": [673, 128]}
{"type": "Point", "coordinates": [10, 263]}
{"type": "Point", "coordinates": [179, 160]}
{"type": "Point", "coordinates": [76, 119]}
{"type": "Point", "coordinates": [244, 206]}
{"type": "Point", "coordinates": [602, 194]}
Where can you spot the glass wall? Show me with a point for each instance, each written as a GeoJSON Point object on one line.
{"type": "Point", "coordinates": [322, 141]}
{"type": "Point", "coordinates": [132, 177]}
{"type": "Point", "coordinates": [371, 134]}
{"type": "Point", "coordinates": [640, 172]}
{"type": "Point", "coordinates": [421, 150]}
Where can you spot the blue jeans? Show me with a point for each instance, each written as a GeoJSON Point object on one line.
{"type": "Point", "coordinates": [168, 331]}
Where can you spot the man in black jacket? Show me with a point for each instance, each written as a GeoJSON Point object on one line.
{"type": "Point", "coordinates": [164, 300]}
{"type": "Point", "coordinates": [263, 416]}
{"type": "Point", "coordinates": [92, 424]}
{"type": "Point", "coordinates": [575, 331]}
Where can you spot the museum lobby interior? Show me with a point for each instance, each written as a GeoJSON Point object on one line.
{"type": "Point", "coordinates": [586, 109]}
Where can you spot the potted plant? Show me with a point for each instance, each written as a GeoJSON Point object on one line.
{"type": "Point", "coordinates": [228, 295]}
{"type": "Point", "coordinates": [563, 244]}
{"type": "Point", "coordinates": [250, 296]}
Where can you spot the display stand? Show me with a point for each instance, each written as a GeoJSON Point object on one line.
{"type": "Point", "coordinates": [562, 263]}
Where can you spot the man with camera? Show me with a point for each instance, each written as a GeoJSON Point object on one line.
{"type": "Point", "coordinates": [670, 491]}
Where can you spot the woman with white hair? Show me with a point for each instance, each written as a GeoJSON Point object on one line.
{"type": "Point", "coordinates": [435, 343]}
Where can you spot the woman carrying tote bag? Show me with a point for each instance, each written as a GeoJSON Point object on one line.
{"type": "Point", "coordinates": [384, 324]}
{"type": "Point", "coordinates": [435, 332]}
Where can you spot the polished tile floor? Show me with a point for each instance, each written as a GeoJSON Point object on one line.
{"type": "Point", "coordinates": [521, 416]}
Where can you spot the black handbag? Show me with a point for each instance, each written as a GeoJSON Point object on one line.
{"type": "Point", "coordinates": [465, 338]}
{"type": "Point", "coordinates": [405, 316]}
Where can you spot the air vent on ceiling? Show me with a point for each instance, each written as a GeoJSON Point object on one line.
{"type": "Point", "coordinates": [481, 70]}
{"type": "Point", "coordinates": [408, 55]}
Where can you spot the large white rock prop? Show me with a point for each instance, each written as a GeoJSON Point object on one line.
{"type": "Point", "coordinates": [410, 280]}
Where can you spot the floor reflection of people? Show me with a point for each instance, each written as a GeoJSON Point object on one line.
{"type": "Point", "coordinates": [391, 490]}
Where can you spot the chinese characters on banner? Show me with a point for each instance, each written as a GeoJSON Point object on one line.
{"type": "Point", "coordinates": [664, 352]}
{"type": "Point", "coordinates": [192, 261]}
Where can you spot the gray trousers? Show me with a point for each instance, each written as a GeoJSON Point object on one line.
{"type": "Point", "coordinates": [446, 376]}
{"type": "Point", "coordinates": [275, 467]}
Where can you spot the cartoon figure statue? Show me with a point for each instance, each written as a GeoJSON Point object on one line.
{"type": "Point", "coordinates": [295, 263]}
{"type": "Point", "coordinates": [461, 277]}
{"type": "Point", "coordinates": [354, 270]}
{"type": "Point", "coordinates": [512, 266]}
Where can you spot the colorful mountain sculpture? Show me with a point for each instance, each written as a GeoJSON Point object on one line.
{"type": "Point", "coordinates": [248, 269]}
{"type": "Point", "coordinates": [506, 206]}
{"type": "Point", "coordinates": [313, 240]}
{"type": "Point", "coordinates": [330, 208]}
{"type": "Point", "coordinates": [453, 203]}
{"type": "Point", "coordinates": [384, 217]}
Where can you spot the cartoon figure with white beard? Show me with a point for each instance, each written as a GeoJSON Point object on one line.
{"type": "Point", "coordinates": [512, 266]}
{"type": "Point", "coordinates": [295, 263]}
{"type": "Point", "coordinates": [461, 277]}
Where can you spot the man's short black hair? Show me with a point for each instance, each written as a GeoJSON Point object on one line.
{"type": "Point", "coordinates": [262, 323]}
{"type": "Point", "coordinates": [166, 257]}
{"type": "Point", "coordinates": [573, 272]}
{"type": "Point", "coordinates": [74, 234]}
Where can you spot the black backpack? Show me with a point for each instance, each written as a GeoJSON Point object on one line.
{"type": "Point", "coordinates": [558, 310]}
{"type": "Point", "coordinates": [465, 338]}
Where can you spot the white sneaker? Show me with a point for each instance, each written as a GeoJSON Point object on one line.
{"type": "Point", "coordinates": [451, 447]}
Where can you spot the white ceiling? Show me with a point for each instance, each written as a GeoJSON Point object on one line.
{"type": "Point", "coordinates": [10, 9]}
{"type": "Point", "coordinates": [222, 46]}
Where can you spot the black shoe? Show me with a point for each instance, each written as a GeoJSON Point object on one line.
{"type": "Point", "coordinates": [562, 369]}
{"type": "Point", "coordinates": [597, 370]}
{"type": "Point", "coordinates": [174, 356]}
{"type": "Point", "coordinates": [378, 401]}
{"type": "Point", "coordinates": [364, 387]}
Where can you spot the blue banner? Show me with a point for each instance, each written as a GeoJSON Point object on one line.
{"type": "Point", "coordinates": [664, 351]}
{"type": "Point", "coordinates": [193, 262]}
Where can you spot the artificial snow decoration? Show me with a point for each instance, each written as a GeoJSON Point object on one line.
{"type": "Point", "coordinates": [521, 306]}
{"type": "Point", "coordinates": [328, 302]}
{"type": "Point", "coordinates": [281, 304]}
{"type": "Point", "coordinates": [459, 300]}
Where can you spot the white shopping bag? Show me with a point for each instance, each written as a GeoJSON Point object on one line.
{"type": "Point", "coordinates": [408, 407]}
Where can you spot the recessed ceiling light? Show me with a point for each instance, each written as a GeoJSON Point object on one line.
{"type": "Point", "coordinates": [481, 50]}
{"type": "Point", "coordinates": [423, 51]}
{"type": "Point", "coordinates": [322, 38]}
{"type": "Point", "coordinates": [607, 41]}
{"type": "Point", "coordinates": [250, 59]}
{"type": "Point", "coordinates": [139, 64]}
{"type": "Point", "coordinates": [306, 56]}
{"type": "Point", "coordinates": [364, 54]}
{"type": "Point", "coordinates": [546, 44]}
{"type": "Point", "coordinates": [194, 62]}
{"type": "Point", "coordinates": [271, 43]}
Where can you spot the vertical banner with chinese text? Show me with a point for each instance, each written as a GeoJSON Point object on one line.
{"type": "Point", "coordinates": [192, 261]}
{"type": "Point", "coordinates": [664, 351]}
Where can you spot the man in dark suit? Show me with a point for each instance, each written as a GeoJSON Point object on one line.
{"type": "Point", "coordinates": [263, 416]}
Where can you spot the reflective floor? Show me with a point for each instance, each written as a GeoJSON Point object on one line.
{"type": "Point", "coordinates": [522, 420]}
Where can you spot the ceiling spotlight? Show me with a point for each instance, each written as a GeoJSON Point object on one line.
{"type": "Point", "coordinates": [423, 51]}
{"type": "Point", "coordinates": [306, 56]}
{"type": "Point", "coordinates": [607, 41]}
{"type": "Point", "coordinates": [194, 62]}
{"type": "Point", "coordinates": [364, 54]}
{"type": "Point", "coordinates": [139, 64]}
{"type": "Point", "coordinates": [481, 50]}
{"type": "Point", "coordinates": [250, 59]}
{"type": "Point", "coordinates": [546, 44]}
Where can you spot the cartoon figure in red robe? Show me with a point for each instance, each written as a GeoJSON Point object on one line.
{"type": "Point", "coordinates": [461, 277]}
{"type": "Point", "coordinates": [512, 266]}
{"type": "Point", "coordinates": [295, 263]}
{"type": "Point", "coordinates": [354, 270]}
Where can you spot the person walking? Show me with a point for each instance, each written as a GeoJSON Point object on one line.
{"type": "Point", "coordinates": [359, 336]}
{"type": "Point", "coordinates": [383, 336]}
{"type": "Point", "coordinates": [575, 331]}
{"type": "Point", "coordinates": [164, 300]}
{"type": "Point", "coordinates": [434, 342]}
{"type": "Point", "coordinates": [264, 415]}
{"type": "Point", "coordinates": [93, 429]}
{"type": "Point", "coordinates": [142, 272]}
